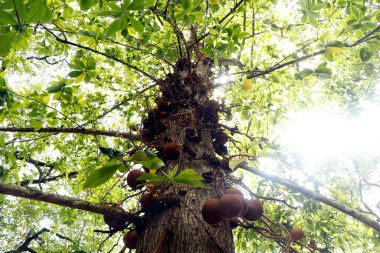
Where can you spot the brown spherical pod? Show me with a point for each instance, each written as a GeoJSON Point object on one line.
{"type": "Point", "coordinates": [212, 107]}
{"type": "Point", "coordinates": [239, 193]}
{"type": "Point", "coordinates": [132, 177]}
{"type": "Point", "coordinates": [245, 208]}
{"type": "Point", "coordinates": [210, 211]}
{"type": "Point", "coordinates": [233, 190]}
{"type": "Point", "coordinates": [297, 234]}
{"type": "Point", "coordinates": [154, 115]}
{"type": "Point", "coordinates": [172, 150]}
{"type": "Point", "coordinates": [113, 222]}
{"type": "Point", "coordinates": [147, 202]}
{"type": "Point", "coordinates": [130, 239]}
{"type": "Point", "coordinates": [221, 138]}
{"type": "Point", "coordinates": [255, 210]}
{"type": "Point", "coordinates": [230, 206]}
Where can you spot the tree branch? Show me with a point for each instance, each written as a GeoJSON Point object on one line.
{"type": "Point", "coordinates": [65, 41]}
{"type": "Point", "coordinates": [30, 193]}
{"type": "Point", "coordinates": [220, 22]}
{"type": "Point", "coordinates": [72, 131]}
{"type": "Point", "coordinates": [25, 245]}
{"type": "Point", "coordinates": [308, 193]}
{"type": "Point", "coordinates": [48, 179]}
{"type": "Point", "coordinates": [253, 74]}
{"type": "Point", "coordinates": [176, 30]}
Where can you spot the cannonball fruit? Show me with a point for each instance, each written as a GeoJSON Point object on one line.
{"type": "Point", "coordinates": [172, 150]}
{"type": "Point", "coordinates": [234, 191]}
{"type": "Point", "coordinates": [212, 107]}
{"type": "Point", "coordinates": [210, 211]}
{"type": "Point", "coordinates": [297, 234]}
{"type": "Point", "coordinates": [221, 138]}
{"type": "Point", "coordinates": [130, 239]}
{"type": "Point", "coordinates": [147, 202]}
{"type": "Point", "coordinates": [113, 221]}
{"type": "Point", "coordinates": [255, 210]}
{"type": "Point", "coordinates": [132, 177]}
{"type": "Point", "coordinates": [245, 207]}
{"type": "Point", "coordinates": [230, 206]}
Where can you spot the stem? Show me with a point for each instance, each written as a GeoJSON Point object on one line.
{"type": "Point", "coordinates": [72, 131]}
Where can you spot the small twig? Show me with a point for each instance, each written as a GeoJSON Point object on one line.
{"type": "Point", "coordinates": [65, 41]}
{"type": "Point", "coordinates": [29, 98]}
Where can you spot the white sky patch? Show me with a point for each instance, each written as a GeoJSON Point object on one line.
{"type": "Point", "coordinates": [318, 135]}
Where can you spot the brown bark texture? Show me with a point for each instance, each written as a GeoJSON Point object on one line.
{"type": "Point", "coordinates": [185, 115]}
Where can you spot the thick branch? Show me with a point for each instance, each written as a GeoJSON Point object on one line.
{"type": "Point", "coordinates": [72, 131]}
{"type": "Point", "coordinates": [308, 193]}
{"type": "Point", "coordinates": [253, 74]}
{"type": "Point", "coordinates": [30, 193]}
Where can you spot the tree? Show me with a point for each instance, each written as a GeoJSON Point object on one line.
{"type": "Point", "coordinates": [189, 91]}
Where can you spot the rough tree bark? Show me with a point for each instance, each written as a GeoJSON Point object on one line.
{"type": "Point", "coordinates": [185, 115]}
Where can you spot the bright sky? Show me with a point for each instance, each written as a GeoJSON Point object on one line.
{"type": "Point", "coordinates": [324, 134]}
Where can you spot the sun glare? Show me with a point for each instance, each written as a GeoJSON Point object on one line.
{"type": "Point", "coordinates": [319, 135]}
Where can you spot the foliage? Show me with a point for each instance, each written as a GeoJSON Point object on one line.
{"type": "Point", "coordinates": [95, 64]}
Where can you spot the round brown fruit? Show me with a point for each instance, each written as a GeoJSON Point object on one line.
{"type": "Point", "coordinates": [245, 207]}
{"type": "Point", "coordinates": [297, 234]}
{"type": "Point", "coordinates": [132, 177]}
{"type": "Point", "coordinates": [212, 107]}
{"type": "Point", "coordinates": [255, 210]}
{"type": "Point", "coordinates": [172, 150]}
{"type": "Point", "coordinates": [221, 138]}
{"type": "Point", "coordinates": [147, 202]}
{"type": "Point", "coordinates": [210, 211]}
{"type": "Point", "coordinates": [130, 239]}
{"type": "Point", "coordinates": [113, 221]}
{"type": "Point", "coordinates": [234, 191]}
{"type": "Point", "coordinates": [230, 206]}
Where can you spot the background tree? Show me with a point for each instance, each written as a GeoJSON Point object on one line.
{"type": "Point", "coordinates": [90, 90]}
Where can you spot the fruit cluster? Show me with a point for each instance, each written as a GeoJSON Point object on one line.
{"type": "Point", "coordinates": [230, 206]}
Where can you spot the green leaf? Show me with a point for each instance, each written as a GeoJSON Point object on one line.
{"type": "Point", "coordinates": [101, 175]}
{"type": "Point", "coordinates": [172, 173]}
{"type": "Point", "coordinates": [87, 4]}
{"type": "Point", "coordinates": [56, 88]}
{"type": "Point", "coordinates": [233, 163]}
{"type": "Point", "coordinates": [7, 19]}
{"type": "Point", "coordinates": [4, 175]}
{"type": "Point", "coordinates": [109, 151]}
{"type": "Point", "coordinates": [139, 155]}
{"type": "Point", "coordinates": [323, 73]}
{"type": "Point", "coordinates": [365, 54]}
{"type": "Point", "coordinates": [137, 25]}
{"type": "Point", "coordinates": [136, 5]}
{"type": "Point", "coordinates": [153, 178]}
{"type": "Point", "coordinates": [185, 4]}
{"type": "Point", "coordinates": [36, 12]}
{"type": "Point", "coordinates": [113, 28]}
{"type": "Point", "coordinates": [152, 164]}
{"type": "Point", "coordinates": [75, 73]}
{"type": "Point", "coordinates": [6, 42]}
{"type": "Point", "coordinates": [190, 177]}
{"type": "Point", "coordinates": [21, 9]}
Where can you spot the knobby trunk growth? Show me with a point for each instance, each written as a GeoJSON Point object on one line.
{"type": "Point", "coordinates": [183, 128]}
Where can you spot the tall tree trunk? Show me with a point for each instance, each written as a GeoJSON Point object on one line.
{"type": "Point", "coordinates": [185, 115]}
